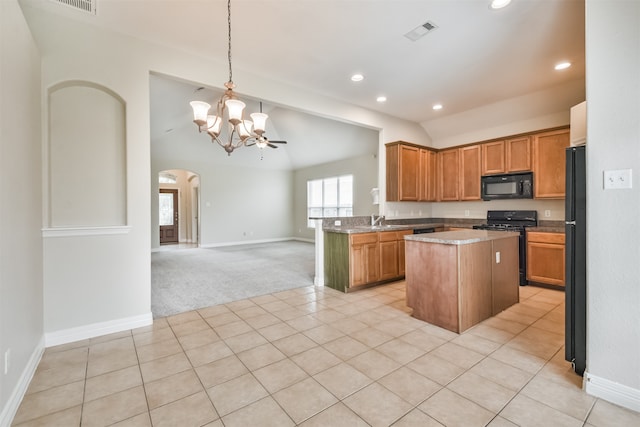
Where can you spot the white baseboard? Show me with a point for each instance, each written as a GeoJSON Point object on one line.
{"type": "Point", "coordinates": [12, 405]}
{"type": "Point", "coordinates": [97, 329]}
{"type": "Point", "coordinates": [302, 239]}
{"type": "Point", "coordinates": [613, 392]}
{"type": "Point", "coordinates": [246, 242]}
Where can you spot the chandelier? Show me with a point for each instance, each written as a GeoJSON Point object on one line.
{"type": "Point", "coordinates": [240, 132]}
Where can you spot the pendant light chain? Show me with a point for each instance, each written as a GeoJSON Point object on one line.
{"type": "Point", "coordinates": [240, 132]}
{"type": "Point", "coordinates": [229, 33]}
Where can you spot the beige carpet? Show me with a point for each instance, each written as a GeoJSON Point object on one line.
{"type": "Point", "coordinates": [188, 279]}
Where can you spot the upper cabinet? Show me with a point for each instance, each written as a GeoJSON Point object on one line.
{"type": "Point", "coordinates": [428, 175]}
{"type": "Point", "coordinates": [470, 171]}
{"type": "Point", "coordinates": [403, 168]}
{"type": "Point", "coordinates": [549, 164]}
{"type": "Point", "coordinates": [511, 155]}
{"type": "Point", "coordinates": [417, 173]}
{"type": "Point", "coordinates": [449, 174]}
{"type": "Point", "coordinates": [518, 154]}
{"type": "Point", "coordinates": [493, 158]}
{"type": "Point", "coordinates": [411, 173]}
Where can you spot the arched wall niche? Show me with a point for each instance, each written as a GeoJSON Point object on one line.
{"type": "Point", "coordinates": [86, 156]}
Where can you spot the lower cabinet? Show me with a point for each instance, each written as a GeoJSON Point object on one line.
{"type": "Point", "coordinates": [545, 258]}
{"type": "Point", "coordinates": [364, 264]}
{"type": "Point", "coordinates": [354, 260]}
{"type": "Point", "coordinates": [401, 251]}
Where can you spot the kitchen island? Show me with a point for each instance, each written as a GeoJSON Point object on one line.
{"type": "Point", "coordinates": [456, 279]}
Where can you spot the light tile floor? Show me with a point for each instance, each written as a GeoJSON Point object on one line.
{"type": "Point", "coordinates": [318, 357]}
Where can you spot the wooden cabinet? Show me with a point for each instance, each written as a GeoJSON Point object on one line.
{"type": "Point", "coordinates": [493, 158]}
{"type": "Point", "coordinates": [428, 176]}
{"type": "Point", "coordinates": [470, 171]}
{"type": "Point", "coordinates": [448, 174]}
{"type": "Point", "coordinates": [549, 164]}
{"type": "Point", "coordinates": [518, 154]}
{"type": "Point", "coordinates": [364, 259]}
{"type": "Point", "coordinates": [354, 260]}
{"type": "Point", "coordinates": [511, 155]}
{"type": "Point", "coordinates": [403, 168]}
{"type": "Point", "coordinates": [458, 286]}
{"type": "Point", "coordinates": [388, 246]}
{"type": "Point", "coordinates": [401, 250]}
{"type": "Point", "coordinates": [416, 173]}
{"type": "Point", "coordinates": [545, 258]}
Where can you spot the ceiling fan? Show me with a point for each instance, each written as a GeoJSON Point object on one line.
{"type": "Point", "coordinates": [263, 141]}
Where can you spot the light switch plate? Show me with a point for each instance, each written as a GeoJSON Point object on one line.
{"type": "Point", "coordinates": [617, 179]}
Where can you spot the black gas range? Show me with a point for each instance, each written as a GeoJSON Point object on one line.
{"type": "Point", "coordinates": [516, 221]}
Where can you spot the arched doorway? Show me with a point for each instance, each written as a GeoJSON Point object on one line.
{"type": "Point", "coordinates": [179, 208]}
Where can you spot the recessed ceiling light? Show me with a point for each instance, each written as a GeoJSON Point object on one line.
{"type": "Point", "coordinates": [437, 106]}
{"type": "Point", "coordinates": [357, 78]}
{"type": "Point", "coordinates": [499, 4]}
{"type": "Point", "coordinates": [563, 65]}
{"type": "Point", "coordinates": [381, 99]}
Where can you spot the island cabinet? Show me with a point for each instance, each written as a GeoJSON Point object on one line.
{"type": "Point", "coordinates": [549, 164]}
{"type": "Point", "coordinates": [546, 258]}
{"type": "Point", "coordinates": [457, 279]}
{"type": "Point", "coordinates": [362, 259]}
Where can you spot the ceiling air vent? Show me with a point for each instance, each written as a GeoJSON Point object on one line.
{"type": "Point", "coordinates": [421, 31]}
{"type": "Point", "coordinates": [88, 6]}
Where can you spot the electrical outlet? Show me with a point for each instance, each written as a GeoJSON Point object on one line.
{"type": "Point", "coordinates": [466, 212]}
{"type": "Point", "coordinates": [547, 213]}
{"type": "Point", "coordinates": [497, 257]}
{"type": "Point", "coordinates": [7, 357]}
{"type": "Point", "coordinates": [337, 223]}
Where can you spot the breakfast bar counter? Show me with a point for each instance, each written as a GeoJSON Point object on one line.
{"type": "Point", "coordinates": [456, 279]}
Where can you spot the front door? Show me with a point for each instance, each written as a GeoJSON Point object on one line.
{"type": "Point", "coordinates": [168, 216]}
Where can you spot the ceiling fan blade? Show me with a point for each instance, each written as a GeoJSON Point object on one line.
{"type": "Point", "coordinates": [272, 146]}
{"type": "Point", "coordinates": [277, 142]}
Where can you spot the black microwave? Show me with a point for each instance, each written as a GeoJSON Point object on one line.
{"type": "Point", "coordinates": [510, 186]}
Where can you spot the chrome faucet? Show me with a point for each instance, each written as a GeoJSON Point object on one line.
{"type": "Point", "coordinates": [375, 221]}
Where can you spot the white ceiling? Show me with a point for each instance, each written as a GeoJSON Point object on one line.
{"type": "Point", "coordinates": [475, 57]}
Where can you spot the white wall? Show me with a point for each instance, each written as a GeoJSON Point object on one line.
{"type": "Point", "coordinates": [97, 280]}
{"type": "Point", "coordinates": [87, 122]}
{"type": "Point", "coordinates": [365, 177]}
{"type": "Point", "coordinates": [613, 248]}
{"type": "Point", "coordinates": [21, 329]}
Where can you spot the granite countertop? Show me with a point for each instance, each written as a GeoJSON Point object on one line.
{"type": "Point", "coordinates": [355, 229]}
{"type": "Point", "coordinates": [461, 237]}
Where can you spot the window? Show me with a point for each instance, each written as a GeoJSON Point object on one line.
{"type": "Point", "coordinates": [167, 178]}
{"type": "Point", "coordinates": [329, 197]}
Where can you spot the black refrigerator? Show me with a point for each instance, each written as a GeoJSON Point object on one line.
{"type": "Point", "coordinates": [576, 259]}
